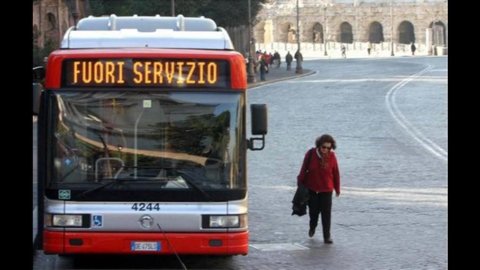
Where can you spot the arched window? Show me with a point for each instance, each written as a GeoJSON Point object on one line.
{"type": "Point", "coordinates": [346, 35]}
{"type": "Point", "coordinates": [406, 33]}
{"type": "Point", "coordinates": [52, 36]}
{"type": "Point", "coordinates": [52, 21]}
{"type": "Point", "coordinates": [317, 33]}
{"type": "Point", "coordinates": [375, 33]}
{"type": "Point", "coordinates": [291, 34]}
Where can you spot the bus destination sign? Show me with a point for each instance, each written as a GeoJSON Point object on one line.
{"type": "Point", "coordinates": [170, 73]}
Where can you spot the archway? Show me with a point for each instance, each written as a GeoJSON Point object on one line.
{"type": "Point", "coordinates": [52, 38]}
{"type": "Point", "coordinates": [406, 33]}
{"type": "Point", "coordinates": [317, 33]}
{"type": "Point", "coordinates": [438, 32]}
{"type": "Point", "coordinates": [52, 21]}
{"type": "Point", "coordinates": [375, 33]}
{"type": "Point", "coordinates": [259, 33]}
{"type": "Point", "coordinates": [36, 35]}
{"type": "Point", "coordinates": [291, 34]}
{"type": "Point", "coordinates": [346, 35]}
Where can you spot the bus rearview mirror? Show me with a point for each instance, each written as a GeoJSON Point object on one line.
{"type": "Point", "coordinates": [36, 93]}
{"type": "Point", "coordinates": [259, 125]}
{"type": "Point", "coordinates": [259, 119]}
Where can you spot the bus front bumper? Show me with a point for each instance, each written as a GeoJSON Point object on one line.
{"type": "Point", "coordinates": [59, 242]}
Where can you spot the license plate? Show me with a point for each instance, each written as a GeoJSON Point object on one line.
{"type": "Point", "coordinates": [145, 246]}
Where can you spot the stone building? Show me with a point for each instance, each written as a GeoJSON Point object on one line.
{"type": "Point", "coordinates": [51, 18]}
{"type": "Point", "coordinates": [385, 26]}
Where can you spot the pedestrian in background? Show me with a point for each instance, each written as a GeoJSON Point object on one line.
{"type": "Point", "coordinates": [277, 59]}
{"type": "Point", "coordinates": [413, 48]}
{"type": "Point", "coordinates": [321, 177]}
{"type": "Point", "coordinates": [263, 68]}
{"type": "Point", "coordinates": [343, 49]}
{"type": "Point", "coordinates": [289, 59]}
{"type": "Point", "coordinates": [298, 56]}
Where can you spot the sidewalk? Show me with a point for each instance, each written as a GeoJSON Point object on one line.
{"type": "Point", "coordinates": [279, 74]}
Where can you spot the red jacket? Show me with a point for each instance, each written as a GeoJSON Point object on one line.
{"type": "Point", "coordinates": [320, 179]}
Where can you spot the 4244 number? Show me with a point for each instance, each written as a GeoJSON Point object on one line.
{"type": "Point", "coordinates": [146, 207]}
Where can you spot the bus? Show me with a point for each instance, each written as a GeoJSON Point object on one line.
{"type": "Point", "coordinates": [142, 143]}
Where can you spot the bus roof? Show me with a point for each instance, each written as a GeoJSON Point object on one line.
{"type": "Point", "coordinates": [147, 31]}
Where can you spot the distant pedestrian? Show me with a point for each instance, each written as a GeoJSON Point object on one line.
{"type": "Point", "coordinates": [369, 48]}
{"type": "Point", "coordinates": [263, 68]}
{"type": "Point", "coordinates": [321, 176]}
{"type": "Point", "coordinates": [298, 56]}
{"type": "Point", "coordinates": [413, 48]}
{"type": "Point", "coordinates": [343, 49]}
{"type": "Point", "coordinates": [288, 60]}
{"type": "Point", "coordinates": [277, 59]}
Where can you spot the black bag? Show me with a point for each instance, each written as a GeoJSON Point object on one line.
{"type": "Point", "coordinates": [300, 199]}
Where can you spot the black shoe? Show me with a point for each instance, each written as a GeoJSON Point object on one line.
{"type": "Point", "coordinates": [328, 241]}
{"type": "Point", "coordinates": [311, 232]}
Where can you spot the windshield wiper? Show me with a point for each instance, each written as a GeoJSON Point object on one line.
{"type": "Point", "coordinates": [189, 178]}
{"type": "Point", "coordinates": [104, 185]}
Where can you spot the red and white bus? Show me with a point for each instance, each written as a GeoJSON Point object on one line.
{"type": "Point", "coordinates": [142, 139]}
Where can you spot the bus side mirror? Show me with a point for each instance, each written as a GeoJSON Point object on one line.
{"type": "Point", "coordinates": [38, 74]}
{"type": "Point", "coordinates": [37, 92]}
{"type": "Point", "coordinates": [259, 125]}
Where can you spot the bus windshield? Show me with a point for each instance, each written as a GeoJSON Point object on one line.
{"type": "Point", "coordinates": [147, 141]}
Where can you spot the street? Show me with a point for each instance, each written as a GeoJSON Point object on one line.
{"type": "Point", "coordinates": [389, 118]}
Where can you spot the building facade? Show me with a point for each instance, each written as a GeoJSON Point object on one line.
{"type": "Point", "coordinates": [384, 26]}
{"type": "Point", "coordinates": [51, 18]}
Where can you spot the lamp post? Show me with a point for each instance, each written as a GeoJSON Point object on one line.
{"type": "Point", "coordinates": [355, 33]}
{"type": "Point", "coordinates": [250, 72]}
{"type": "Point", "coordinates": [391, 22]}
{"type": "Point", "coordinates": [75, 16]}
{"type": "Point", "coordinates": [299, 57]}
{"type": "Point", "coordinates": [325, 28]}
{"type": "Point", "coordinates": [172, 4]}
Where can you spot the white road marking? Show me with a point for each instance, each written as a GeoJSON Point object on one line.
{"type": "Point", "coordinates": [395, 195]}
{"type": "Point", "coordinates": [440, 79]}
{"type": "Point", "coordinates": [418, 136]}
{"type": "Point", "coordinates": [279, 246]}
{"type": "Point", "coordinates": [426, 196]}
{"type": "Point", "coordinates": [405, 124]}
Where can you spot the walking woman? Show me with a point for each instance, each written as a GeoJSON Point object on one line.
{"type": "Point", "coordinates": [321, 176]}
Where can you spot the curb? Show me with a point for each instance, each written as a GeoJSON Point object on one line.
{"type": "Point", "coordinates": [306, 72]}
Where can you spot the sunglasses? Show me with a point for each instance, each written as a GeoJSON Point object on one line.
{"type": "Point", "coordinates": [326, 147]}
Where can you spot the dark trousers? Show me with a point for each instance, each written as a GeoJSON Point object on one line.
{"type": "Point", "coordinates": [320, 203]}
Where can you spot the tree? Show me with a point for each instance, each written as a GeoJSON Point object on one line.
{"type": "Point", "coordinates": [224, 12]}
{"type": "Point", "coordinates": [40, 53]}
{"type": "Point", "coordinates": [107, 7]}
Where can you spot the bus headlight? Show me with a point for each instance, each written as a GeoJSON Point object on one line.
{"type": "Point", "coordinates": [224, 221]}
{"type": "Point", "coordinates": [67, 220]}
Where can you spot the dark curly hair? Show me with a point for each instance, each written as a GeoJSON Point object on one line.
{"type": "Point", "coordinates": [325, 138]}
